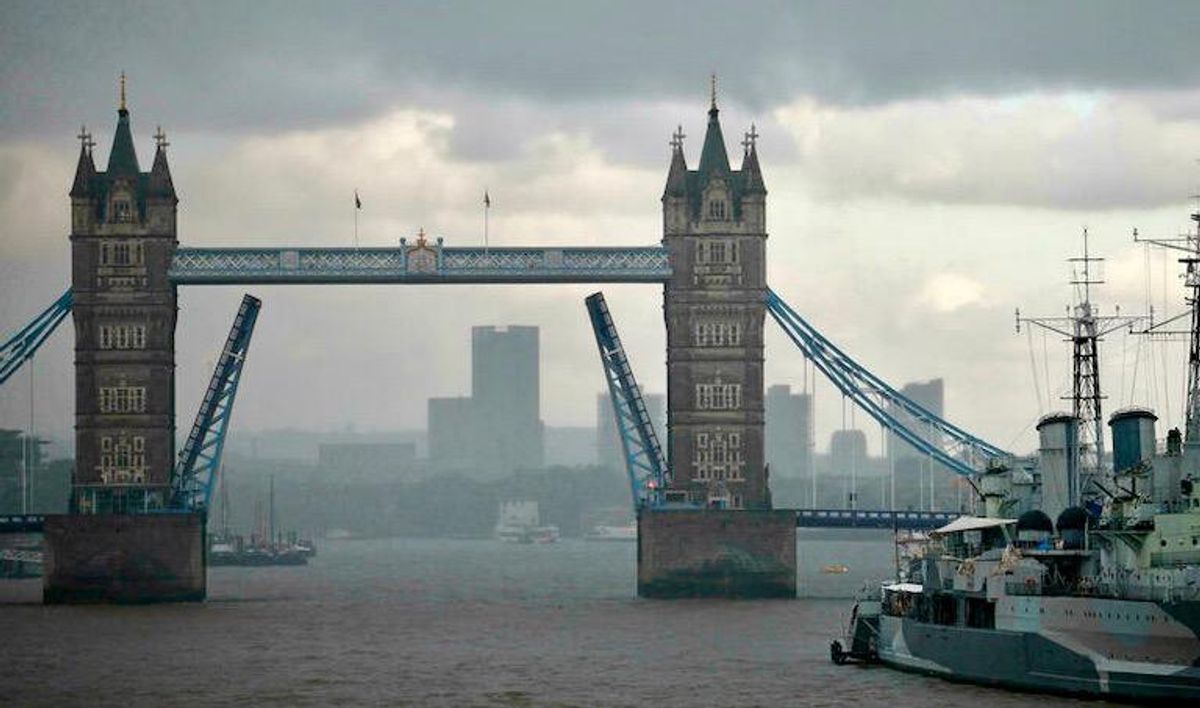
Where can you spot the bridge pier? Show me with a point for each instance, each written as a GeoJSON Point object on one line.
{"type": "Point", "coordinates": [124, 558]}
{"type": "Point", "coordinates": [716, 553]}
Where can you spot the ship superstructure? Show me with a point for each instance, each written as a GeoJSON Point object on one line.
{"type": "Point", "coordinates": [1076, 579]}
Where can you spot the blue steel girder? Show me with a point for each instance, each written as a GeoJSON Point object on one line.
{"type": "Point", "coordinates": [200, 460]}
{"type": "Point", "coordinates": [870, 393]}
{"type": "Point", "coordinates": [426, 263]}
{"type": "Point", "coordinates": [20, 347]}
{"type": "Point", "coordinates": [639, 444]}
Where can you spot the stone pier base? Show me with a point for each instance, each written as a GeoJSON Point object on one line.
{"type": "Point", "coordinates": [124, 558]}
{"type": "Point", "coordinates": [716, 553]}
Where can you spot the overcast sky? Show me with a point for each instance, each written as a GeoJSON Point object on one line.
{"type": "Point", "coordinates": [930, 166]}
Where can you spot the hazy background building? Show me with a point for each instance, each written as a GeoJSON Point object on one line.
{"type": "Point", "coordinates": [918, 479]}
{"type": "Point", "coordinates": [789, 433]}
{"type": "Point", "coordinates": [498, 428]}
{"type": "Point", "coordinates": [506, 393]}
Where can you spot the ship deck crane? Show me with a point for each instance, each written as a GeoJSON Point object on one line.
{"type": "Point", "coordinates": [195, 475]}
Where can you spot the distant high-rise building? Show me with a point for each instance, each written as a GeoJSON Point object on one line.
{"type": "Point", "coordinates": [930, 395]}
{"type": "Point", "coordinates": [847, 451]}
{"type": "Point", "coordinates": [848, 461]}
{"type": "Point", "coordinates": [506, 391]}
{"type": "Point", "coordinates": [608, 444]}
{"type": "Point", "coordinates": [789, 435]}
{"type": "Point", "coordinates": [451, 433]}
{"type": "Point", "coordinates": [915, 477]}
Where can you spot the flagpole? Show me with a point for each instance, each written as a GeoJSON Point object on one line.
{"type": "Point", "coordinates": [487, 208]}
{"type": "Point", "coordinates": [356, 208]}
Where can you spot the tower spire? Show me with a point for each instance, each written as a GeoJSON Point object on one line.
{"type": "Point", "coordinates": [123, 108]}
{"type": "Point", "coordinates": [713, 102]}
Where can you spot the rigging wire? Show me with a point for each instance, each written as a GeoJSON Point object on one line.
{"type": "Point", "coordinates": [1037, 386]}
{"type": "Point", "coordinates": [1046, 367]}
{"type": "Point", "coordinates": [1163, 348]}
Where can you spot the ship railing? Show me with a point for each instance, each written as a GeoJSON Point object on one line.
{"type": "Point", "coordinates": [1151, 592]}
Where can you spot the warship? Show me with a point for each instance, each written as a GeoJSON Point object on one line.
{"type": "Point", "coordinates": [1081, 576]}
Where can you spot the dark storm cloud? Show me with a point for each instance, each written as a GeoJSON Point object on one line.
{"type": "Point", "coordinates": [256, 67]}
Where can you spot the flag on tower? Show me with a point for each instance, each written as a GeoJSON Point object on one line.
{"type": "Point", "coordinates": [357, 201]}
{"type": "Point", "coordinates": [487, 201]}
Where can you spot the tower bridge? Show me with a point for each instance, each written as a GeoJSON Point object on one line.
{"type": "Point", "coordinates": [127, 264]}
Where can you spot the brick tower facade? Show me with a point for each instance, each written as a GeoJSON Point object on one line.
{"type": "Point", "coordinates": [714, 228]}
{"type": "Point", "coordinates": [122, 242]}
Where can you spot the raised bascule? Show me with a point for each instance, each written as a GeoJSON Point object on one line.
{"type": "Point", "coordinates": [711, 528]}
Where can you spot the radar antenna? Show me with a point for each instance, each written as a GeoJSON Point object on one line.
{"type": "Point", "coordinates": [1084, 328]}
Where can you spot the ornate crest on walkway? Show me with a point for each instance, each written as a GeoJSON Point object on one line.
{"type": "Point", "coordinates": [421, 257]}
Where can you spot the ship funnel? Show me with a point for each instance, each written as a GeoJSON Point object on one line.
{"type": "Point", "coordinates": [1132, 438]}
{"type": "Point", "coordinates": [1058, 462]}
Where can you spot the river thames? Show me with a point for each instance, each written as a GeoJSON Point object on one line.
{"type": "Point", "coordinates": [460, 622]}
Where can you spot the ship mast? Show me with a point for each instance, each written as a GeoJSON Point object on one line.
{"type": "Point", "coordinates": [1084, 327]}
{"type": "Point", "coordinates": [1189, 244]}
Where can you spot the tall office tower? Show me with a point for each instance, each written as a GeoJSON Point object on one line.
{"type": "Point", "coordinates": [789, 434]}
{"type": "Point", "coordinates": [848, 461]}
{"type": "Point", "coordinates": [451, 427]}
{"type": "Point", "coordinates": [714, 228]}
{"type": "Point", "coordinates": [608, 444]}
{"type": "Point", "coordinates": [506, 395]}
{"type": "Point", "coordinates": [122, 242]}
{"type": "Point", "coordinates": [915, 474]}
{"type": "Point", "coordinates": [930, 395]}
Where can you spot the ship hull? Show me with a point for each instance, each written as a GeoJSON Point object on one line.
{"type": "Point", "coordinates": [1027, 661]}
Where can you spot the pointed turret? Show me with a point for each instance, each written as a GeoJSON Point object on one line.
{"type": "Point", "coordinates": [677, 175]}
{"type": "Point", "coordinates": [85, 171]}
{"type": "Point", "coordinates": [160, 184]}
{"type": "Point", "coordinates": [751, 173]}
{"type": "Point", "coordinates": [122, 161]}
{"type": "Point", "coordinates": [713, 158]}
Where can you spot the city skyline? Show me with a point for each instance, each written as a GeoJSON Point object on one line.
{"type": "Point", "coordinates": [909, 254]}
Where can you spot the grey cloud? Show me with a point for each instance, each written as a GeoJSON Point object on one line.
{"type": "Point", "coordinates": [257, 67]}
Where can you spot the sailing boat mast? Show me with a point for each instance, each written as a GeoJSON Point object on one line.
{"type": "Point", "coordinates": [271, 512]}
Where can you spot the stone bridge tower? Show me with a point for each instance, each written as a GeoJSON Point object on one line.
{"type": "Point", "coordinates": [714, 228]}
{"type": "Point", "coordinates": [122, 241]}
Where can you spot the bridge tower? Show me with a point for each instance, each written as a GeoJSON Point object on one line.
{"type": "Point", "coordinates": [714, 228]}
{"type": "Point", "coordinates": [122, 241]}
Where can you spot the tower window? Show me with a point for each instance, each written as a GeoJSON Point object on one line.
{"type": "Point", "coordinates": [123, 336]}
{"type": "Point", "coordinates": [122, 213]}
{"type": "Point", "coordinates": [124, 460]}
{"type": "Point", "coordinates": [718, 397]}
{"type": "Point", "coordinates": [723, 251]}
{"type": "Point", "coordinates": [717, 456]}
{"type": "Point", "coordinates": [717, 334]}
{"type": "Point", "coordinates": [122, 399]}
{"type": "Point", "coordinates": [716, 210]}
{"type": "Point", "coordinates": [122, 253]}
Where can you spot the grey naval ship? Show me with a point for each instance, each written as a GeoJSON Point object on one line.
{"type": "Point", "coordinates": [1075, 579]}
